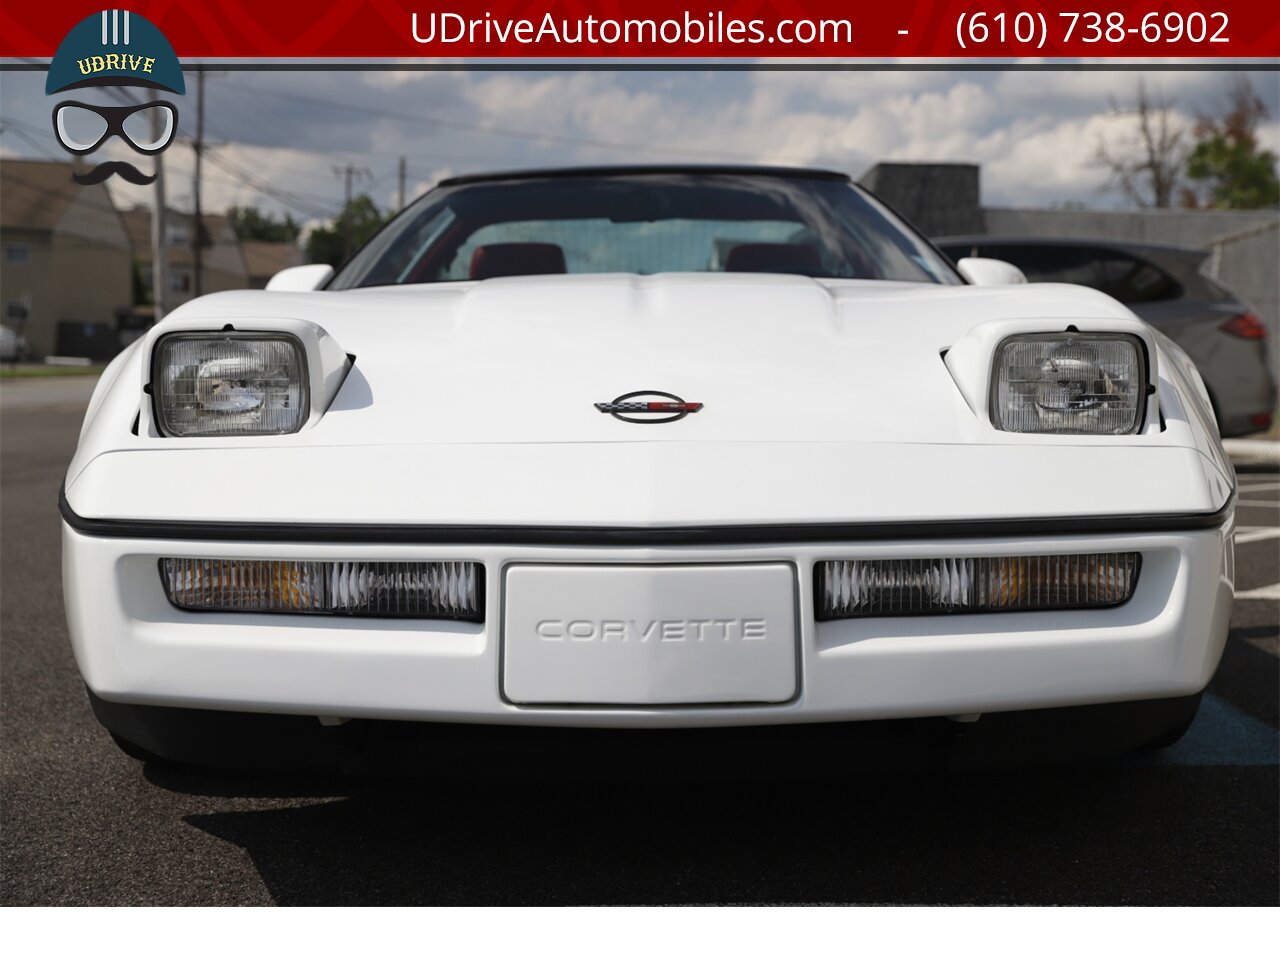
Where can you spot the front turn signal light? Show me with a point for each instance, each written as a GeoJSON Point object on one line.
{"type": "Point", "coordinates": [436, 590]}
{"type": "Point", "coordinates": [890, 588]}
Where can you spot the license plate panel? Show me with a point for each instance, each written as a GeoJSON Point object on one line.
{"type": "Point", "coordinates": [649, 634]}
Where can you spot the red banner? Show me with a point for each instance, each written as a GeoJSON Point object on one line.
{"type": "Point", "coordinates": [678, 29]}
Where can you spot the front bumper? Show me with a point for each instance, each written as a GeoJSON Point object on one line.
{"type": "Point", "coordinates": [133, 647]}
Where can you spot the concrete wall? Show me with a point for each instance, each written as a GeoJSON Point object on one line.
{"type": "Point", "coordinates": [938, 198]}
{"type": "Point", "coordinates": [1185, 228]}
{"type": "Point", "coordinates": [1247, 257]}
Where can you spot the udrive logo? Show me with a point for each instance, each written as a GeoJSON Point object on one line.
{"type": "Point", "coordinates": [115, 48]}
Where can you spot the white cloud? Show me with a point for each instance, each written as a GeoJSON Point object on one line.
{"type": "Point", "coordinates": [281, 134]}
{"type": "Point", "coordinates": [237, 175]}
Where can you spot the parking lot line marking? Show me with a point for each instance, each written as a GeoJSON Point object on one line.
{"type": "Point", "coordinates": [1269, 592]}
{"type": "Point", "coordinates": [1259, 503]}
{"type": "Point", "coordinates": [1254, 534]}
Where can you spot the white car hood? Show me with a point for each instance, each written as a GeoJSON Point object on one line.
{"type": "Point", "coordinates": [771, 358]}
{"type": "Point", "coordinates": [474, 403]}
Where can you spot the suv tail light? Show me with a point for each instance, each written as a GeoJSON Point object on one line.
{"type": "Point", "coordinates": [1246, 326]}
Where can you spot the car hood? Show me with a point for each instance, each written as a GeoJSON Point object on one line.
{"type": "Point", "coordinates": [526, 360]}
{"type": "Point", "coordinates": [474, 403]}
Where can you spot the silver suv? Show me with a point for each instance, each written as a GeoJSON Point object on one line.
{"type": "Point", "coordinates": [1164, 286]}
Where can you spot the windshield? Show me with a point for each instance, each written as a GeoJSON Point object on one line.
{"type": "Point", "coordinates": [645, 224]}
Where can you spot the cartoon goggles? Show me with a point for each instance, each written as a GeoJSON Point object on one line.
{"type": "Point", "coordinates": [95, 125]}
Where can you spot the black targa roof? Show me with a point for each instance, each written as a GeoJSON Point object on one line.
{"type": "Point", "coordinates": [800, 173]}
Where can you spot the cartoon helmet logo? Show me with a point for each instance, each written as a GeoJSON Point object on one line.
{"type": "Point", "coordinates": [115, 48]}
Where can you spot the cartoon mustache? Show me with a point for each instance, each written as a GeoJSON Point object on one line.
{"type": "Point", "coordinates": [126, 170]}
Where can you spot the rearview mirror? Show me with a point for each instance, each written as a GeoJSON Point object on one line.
{"type": "Point", "coordinates": [309, 276]}
{"type": "Point", "coordinates": [984, 272]}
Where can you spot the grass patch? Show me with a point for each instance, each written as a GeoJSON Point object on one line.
{"type": "Point", "coordinates": [8, 372]}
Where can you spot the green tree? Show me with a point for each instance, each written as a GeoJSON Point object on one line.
{"type": "Point", "coordinates": [1226, 166]}
{"type": "Point", "coordinates": [250, 223]}
{"type": "Point", "coordinates": [333, 244]}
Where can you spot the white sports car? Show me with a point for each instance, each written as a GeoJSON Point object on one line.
{"type": "Point", "coordinates": [647, 450]}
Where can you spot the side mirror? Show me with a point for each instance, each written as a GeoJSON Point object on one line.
{"type": "Point", "coordinates": [310, 276]}
{"type": "Point", "coordinates": [980, 271]}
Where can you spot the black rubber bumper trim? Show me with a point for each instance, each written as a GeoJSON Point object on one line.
{"type": "Point", "coordinates": [527, 753]}
{"type": "Point", "coordinates": [634, 536]}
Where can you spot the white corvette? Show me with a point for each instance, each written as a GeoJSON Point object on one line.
{"type": "Point", "coordinates": [641, 449]}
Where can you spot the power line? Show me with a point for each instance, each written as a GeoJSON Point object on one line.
{"type": "Point", "coordinates": [289, 199]}
{"type": "Point", "coordinates": [28, 139]}
{"type": "Point", "coordinates": [528, 135]}
{"type": "Point", "coordinates": [435, 155]}
{"type": "Point", "coordinates": [292, 199]}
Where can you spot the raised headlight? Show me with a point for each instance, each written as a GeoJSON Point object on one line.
{"type": "Point", "coordinates": [229, 384]}
{"type": "Point", "coordinates": [1069, 383]}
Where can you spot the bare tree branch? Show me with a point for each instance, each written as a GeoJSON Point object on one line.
{"type": "Point", "coordinates": [1147, 166]}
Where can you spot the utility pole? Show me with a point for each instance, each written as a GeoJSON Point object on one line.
{"type": "Point", "coordinates": [159, 252]}
{"type": "Point", "coordinates": [400, 195]}
{"type": "Point", "coordinates": [348, 173]}
{"type": "Point", "coordinates": [197, 234]}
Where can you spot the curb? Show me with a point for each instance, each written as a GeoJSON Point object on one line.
{"type": "Point", "coordinates": [1267, 451]}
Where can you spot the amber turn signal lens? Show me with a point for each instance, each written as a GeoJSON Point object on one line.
{"type": "Point", "coordinates": [889, 588]}
{"type": "Point", "coordinates": [433, 590]}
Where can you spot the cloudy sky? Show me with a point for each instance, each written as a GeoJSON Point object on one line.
{"type": "Point", "coordinates": [276, 137]}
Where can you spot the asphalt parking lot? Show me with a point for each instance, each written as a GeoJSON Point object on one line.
{"type": "Point", "coordinates": [81, 823]}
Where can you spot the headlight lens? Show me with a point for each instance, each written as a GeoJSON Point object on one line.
{"type": "Point", "coordinates": [1069, 383]}
{"type": "Point", "coordinates": [229, 384]}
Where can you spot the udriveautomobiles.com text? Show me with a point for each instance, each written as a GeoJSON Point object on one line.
{"type": "Point", "coordinates": [710, 28]}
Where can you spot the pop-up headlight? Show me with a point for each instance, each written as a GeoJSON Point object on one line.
{"type": "Point", "coordinates": [1069, 383]}
{"type": "Point", "coordinates": [229, 384]}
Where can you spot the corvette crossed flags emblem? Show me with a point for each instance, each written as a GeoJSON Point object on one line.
{"type": "Point", "coordinates": [649, 406]}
